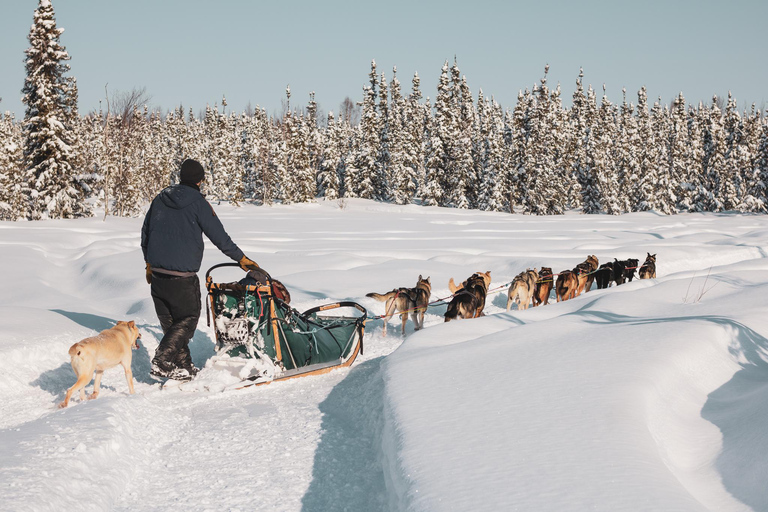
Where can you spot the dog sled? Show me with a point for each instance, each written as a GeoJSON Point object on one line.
{"type": "Point", "coordinates": [260, 338]}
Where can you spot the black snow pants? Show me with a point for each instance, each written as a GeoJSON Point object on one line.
{"type": "Point", "coordinates": [177, 303]}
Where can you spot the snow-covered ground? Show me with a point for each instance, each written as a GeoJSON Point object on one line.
{"type": "Point", "coordinates": [648, 396]}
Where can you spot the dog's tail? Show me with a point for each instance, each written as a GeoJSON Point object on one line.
{"type": "Point", "coordinates": [75, 350]}
{"type": "Point", "coordinates": [379, 296]}
{"type": "Point", "coordinates": [452, 286]}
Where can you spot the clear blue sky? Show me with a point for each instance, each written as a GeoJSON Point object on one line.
{"type": "Point", "coordinates": [192, 52]}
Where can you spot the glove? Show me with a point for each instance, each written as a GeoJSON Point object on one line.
{"type": "Point", "coordinates": [149, 273]}
{"type": "Point", "coordinates": [248, 264]}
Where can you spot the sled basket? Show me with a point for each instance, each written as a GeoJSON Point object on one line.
{"type": "Point", "coordinates": [250, 322]}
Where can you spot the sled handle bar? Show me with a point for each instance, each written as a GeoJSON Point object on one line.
{"type": "Point", "coordinates": [228, 264]}
{"type": "Point", "coordinates": [342, 304]}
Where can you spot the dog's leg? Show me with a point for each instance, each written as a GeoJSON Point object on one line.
{"type": "Point", "coordinates": [509, 302]}
{"type": "Point", "coordinates": [404, 318]}
{"type": "Point", "coordinates": [128, 375]}
{"type": "Point", "coordinates": [82, 380]}
{"type": "Point", "coordinates": [96, 385]}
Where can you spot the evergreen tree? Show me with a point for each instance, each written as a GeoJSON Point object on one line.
{"type": "Point", "coordinates": [432, 191]}
{"type": "Point", "coordinates": [13, 196]}
{"type": "Point", "coordinates": [363, 178]}
{"type": "Point", "coordinates": [48, 155]}
{"type": "Point", "coordinates": [330, 160]}
{"type": "Point", "coordinates": [643, 182]}
{"type": "Point", "coordinates": [714, 157]}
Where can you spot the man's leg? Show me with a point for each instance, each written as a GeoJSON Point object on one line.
{"type": "Point", "coordinates": [177, 303]}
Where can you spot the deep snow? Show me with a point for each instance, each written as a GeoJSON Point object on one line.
{"type": "Point", "coordinates": [648, 396]}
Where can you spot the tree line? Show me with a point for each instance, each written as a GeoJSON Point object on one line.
{"type": "Point", "coordinates": [459, 150]}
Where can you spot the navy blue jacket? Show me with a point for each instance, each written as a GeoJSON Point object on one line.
{"type": "Point", "coordinates": [172, 235]}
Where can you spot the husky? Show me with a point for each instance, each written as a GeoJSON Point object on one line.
{"type": "Point", "coordinates": [101, 352]}
{"type": "Point", "coordinates": [405, 300]}
{"type": "Point", "coordinates": [629, 268]}
{"type": "Point", "coordinates": [624, 270]}
{"type": "Point", "coordinates": [566, 285]}
{"type": "Point", "coordinates": [543, 287]}
{"type": "Point", "coordinates": [604, 275]}
{"type": "Point", "coordinates": [584, 274]}
{"type": "Point", "coordinates": [522, 288]}
{"type": "Point", "coordinates": [648, 270]}
{"type": "Point", "coordinates": [469, 297]}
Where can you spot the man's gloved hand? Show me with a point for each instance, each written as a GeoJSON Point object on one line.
{"type": "Point", "coordinates": [248, 264]}
{"type": "Point", "coordinates": [149, 273]}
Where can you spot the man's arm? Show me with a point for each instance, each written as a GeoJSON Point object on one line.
{"type": "Point", "coordinates": [145, 232]}
{"type": "Point", "coordinates": [214, 230]}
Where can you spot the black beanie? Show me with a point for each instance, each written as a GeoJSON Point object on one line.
{"type": "Point", "coordinates": [191, 172]}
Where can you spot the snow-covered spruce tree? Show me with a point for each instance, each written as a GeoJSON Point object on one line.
{"type": "Point", "coordinates": [401, 175]}
{"type": "Point", "coordinates": [301, 187]}
{"type": "Point", "coordinates": [434, 166]}
{"type": "Point", "coordinates": [413, 138]}
{"type": "Point", "coordinates": [695, 196]}
{"type": "Point", "coordinates": [519, 141]}
{"type": "Point", "coordinates": [678, 146]}
{"type": "Point", "coordinates": [761, 161]}
{"type": "Point", "coordinates": [330, 159]}
{"type": "Point", "coordinates": [383, 178]}
{"type": "Point", "coordinates": [626, 153]}
{"type": "Point", "coordinates": [467, 148]}
{"type": "Point", "coordinates": [490, 194]}
{"type": "Point", "coordinates": [55, 189]}
{"type": "Point", "coordinates": [13, 196]}
{"type": "Point", "coordinates": [714, 156]}
{"type": "Point", "coordinates": [362, 176]}
{"type": "Point", "coordinates": [732, 189]}
{"type": "Point", "coordinates": [753, 198]}
{"type": "Point", "coordinates": [603, 160]}
{"type": "Point", "coordinates": [664, 196]}
{"type": "Point", "coordinates": [643, 184]}
{"type": "Point", "coordinates": [445, 128]}
{"type": "Point", "coordinates": [547, 185]}
{"type": "Point", "coordinates": [581, 146]}
{"type": "Point", "coordinates": [246, 163]}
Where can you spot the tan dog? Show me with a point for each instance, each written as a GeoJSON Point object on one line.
{"type": "Point", "coordinates": [469, 297]}
{"type": "Point", "coordinates": [485, 275]}
{"type": "Point", "coordinates": [585, 273]}
{"type": "Point", "coordinates": [566, 285]}
{"type": "Point", "coordinates": [543, 287]}
{"type": "Point", "coordinates": [522, 288]}
{"type": "Point", "coordinates": [406, 300]}
{"type": "Point", "coordinates": [98, 353]}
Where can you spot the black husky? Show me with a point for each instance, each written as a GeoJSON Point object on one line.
{"type": "Point", "coordinates": [604, 275]}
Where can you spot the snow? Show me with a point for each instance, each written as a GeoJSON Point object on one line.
{"type": "Point", "coordinates": [648, 396]}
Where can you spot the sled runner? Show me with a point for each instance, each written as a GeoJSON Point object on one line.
{"type": "Point", "coordinates": [260, 338]}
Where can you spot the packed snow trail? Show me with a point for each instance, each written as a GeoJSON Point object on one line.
{"type": "Point", "coordinates": [400, 432]}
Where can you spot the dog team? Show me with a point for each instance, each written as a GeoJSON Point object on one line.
{"type": "Point", "coordinates": [114, 346]}
{"type": "Point", "coordinates": [531, 286]}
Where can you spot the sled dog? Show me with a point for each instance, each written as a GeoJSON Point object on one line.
{"type": "Point", "coordinates": [405, 300]}
{"type": "Point", "coordinates": [584, 274]}
{"type": "Point", "coordinates": [543, 287]}
{"type": "Point", "coordinates": [98, 353]}
{"type": "Point", "coordinates": [522, 288]}
{"type": "Point", "coordinates": [648, 270]}
{"type": "Point", "coordinates": [624, 270]}
{"type": "Point", "coordinates": [469, 297]}
{"type": "Point", "coordinates": [604, 275]}
{"type": "Point", "coordinates": [566, 285]}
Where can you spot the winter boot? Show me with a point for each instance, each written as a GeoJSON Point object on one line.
{"type": "Point", "coordinates": [166, 370]}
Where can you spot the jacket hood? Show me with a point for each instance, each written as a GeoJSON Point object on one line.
{"type": "Point", "coordinates": [179, 196]}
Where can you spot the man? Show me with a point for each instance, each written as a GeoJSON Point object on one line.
{"type": "Point", "coordinates": [172, 242]}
